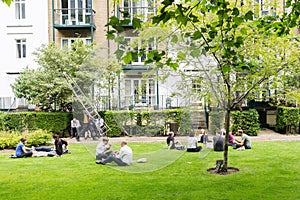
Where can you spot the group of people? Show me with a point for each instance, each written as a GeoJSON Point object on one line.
{"type": "Point", "coordinates": [60, 147]}
{"type": "Point", "coordinates": [244, 143]}
{"type": "Point", "coordinates": [218, 142]}
{"type": "Point", "coordinates": [123, 157]}
{"type": "Point", "coordinates": [91, 128]}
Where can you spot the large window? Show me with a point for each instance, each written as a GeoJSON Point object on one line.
{"type": "Point", "coordinates": [140, 91]}
{"type": "Point", "coordinates": [76, 12]}
{"type": "Point", "coordinates": [140, 47]}
{"type": "Point", "coordinates": [143, 9]}
{"type": "Point", "coordinates": [20, 9]}
{"type": "Point", "coordinates": [21, 48]}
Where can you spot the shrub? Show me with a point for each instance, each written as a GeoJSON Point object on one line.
{"type": "Point", "coordinates": [287, 119]}
{"type": "Point", "coordinates": [247, 120]}
{"type": "Point", "coordinates": [9, 140]}
{"type": "Point", "coordinates": [57, 122]}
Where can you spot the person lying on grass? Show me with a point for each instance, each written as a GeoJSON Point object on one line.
{"type": "Point", "coordinates": [122, 157]}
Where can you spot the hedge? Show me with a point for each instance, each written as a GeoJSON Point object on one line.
{"type": "Point", "coordinates": [287, 120]}
{"type": "Point", "coordinates": [56, 122]}
{"type": "Point", "coordinates": [9, 140]}
{"type": "Point", "coordinates": [247, 120]}
{"type": "Point", "coordinates": [149, 123]}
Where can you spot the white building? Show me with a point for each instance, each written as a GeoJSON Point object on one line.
{"type": "Point", "coordinates": [23, 28]}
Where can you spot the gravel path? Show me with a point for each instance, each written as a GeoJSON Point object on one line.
{"type": "Point", "coordinates": [264, 135]}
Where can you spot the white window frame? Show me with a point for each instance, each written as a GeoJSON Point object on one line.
{"type": "Point", "coordinates": [21, 48]}
{"type": "Point", "coordinates": [20, 9]}
{"type": "Point", "coordinates": [71, 40]}
{"type": "Point", "coordinates": [132, 98]}
{"type": "Point", "coordinates": [76, 8]}
{"type": "Point", "coordinates": [140, 59]}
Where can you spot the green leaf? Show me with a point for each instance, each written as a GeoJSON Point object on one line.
{"type": "Point", "coordinates": [197, 35]}
{"type": "Point", "coordinates": [181, 19]}
{"type": "Point", "coordinates": [136, 23]}
{"type": "Point", "coordinates": [226, 69]}
{"type": "Point", "coordinates": [181, 55]}
{"type": "Point", "coordinates": [174, 39]}
{"type": "Point", "coordinates": [243, 31]}
{"type": "Point", "coordinates": [119, 53]}
{"type": "Point", "coordinates": [249, 15]}
{"type": "Point", "coordinates": [127, 58]}
{"type": "Point", "coordinates": [235, 11]}
{"type": "Point", "coordinates": [195, 53]}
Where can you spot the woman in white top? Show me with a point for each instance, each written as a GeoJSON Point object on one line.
{"type": "Point", "coordinates": [193, 143]}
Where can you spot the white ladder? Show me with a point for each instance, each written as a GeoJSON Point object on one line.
{"type": "Point", "coordinates": [89, 108]}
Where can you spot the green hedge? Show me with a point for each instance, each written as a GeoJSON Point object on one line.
{"type": "Point", "coordinates": [247, 120]}
{"type": "Point", "coordinates": [287, 120]}
{"type": "Point", "coordinates": [149, 123]}
{"type": "Point", "coordinates": [9, 140]}
{"type": "Point", "coordinates": [56, 122]}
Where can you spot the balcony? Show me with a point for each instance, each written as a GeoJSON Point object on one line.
{"type": "Point", "coordinates": [142, 13]}
{"type": "Point", "coordinates": [82, 18]}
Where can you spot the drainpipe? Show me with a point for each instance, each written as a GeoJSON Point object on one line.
{"type": "Point", "coordinates": [53, 30]}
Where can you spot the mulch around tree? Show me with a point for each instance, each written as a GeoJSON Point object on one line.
{"type": "Point", "coordinates": [230, 170]}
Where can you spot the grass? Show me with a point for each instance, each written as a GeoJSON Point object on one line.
{"type": "Point", "coordinates": [269, 171]}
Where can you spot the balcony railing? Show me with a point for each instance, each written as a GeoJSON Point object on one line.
{"type": "Point", "coordinates": [79, 17]}
{"type": "Point", "coordinates": [142, 13]}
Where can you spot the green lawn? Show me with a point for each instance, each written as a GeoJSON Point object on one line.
{"type": "Point", "coordinates": [271, 170]}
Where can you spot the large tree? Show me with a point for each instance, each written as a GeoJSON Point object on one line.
{"type": "Point", "coordinates": [60, 68]}
{"type": "Point", "coordinates": [233, 35]}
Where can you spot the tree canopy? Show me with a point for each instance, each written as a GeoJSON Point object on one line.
{"type": "Point", "coordinates": [246, 49]}
{"type": "Point", "coordinates": [47, 86]}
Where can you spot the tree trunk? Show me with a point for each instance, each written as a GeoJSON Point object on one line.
{"type": "Point", "coordinates": [227, 124]}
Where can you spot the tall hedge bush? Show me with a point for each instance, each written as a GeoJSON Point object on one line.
{"type": "Point", "coordinates": [149, 123]}
{"type": "Point", "coordinates": [247, 120]}
{"type": "Point", "coordinates": [56, 122]}
{"type": "Point", "coordinates": [287, 120]}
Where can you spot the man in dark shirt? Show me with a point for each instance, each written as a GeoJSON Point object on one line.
{"type": "Point", "coordinates": [218, 142]}
{"type": "Point", "coordinates": [61, 146]}
{"type": "Point", "coordinates": [171, 141]}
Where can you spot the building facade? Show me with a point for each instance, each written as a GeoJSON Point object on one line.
{"type": "Point", "coordinates": [23, 28]}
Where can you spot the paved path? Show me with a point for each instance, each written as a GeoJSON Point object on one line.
{"type": "Point", "coordinates": [264, 135]}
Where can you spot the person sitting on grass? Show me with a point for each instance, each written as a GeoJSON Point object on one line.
{"type": "Point", "coordinates": [171, 141]}
{"type": "Point", "coordinates": [61, 146]}
{"type": "Point", "coordinates": [101, 150]}
{"type": "Point", "coordinates": [203, 137]}
{"type": "Point", "coordinates": [218, 142]}
{"type": "Point", "coordinates": [22, 151]}
{"type": "Point", "coordinates": [245, 143]}
{"type": "Point", "coordinates": [193, 143]}
{"type": "Point", "coordinates": [122, 157]}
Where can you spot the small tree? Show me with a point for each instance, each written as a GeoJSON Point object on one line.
{"type": "Point", "coordinates": [228, 33]}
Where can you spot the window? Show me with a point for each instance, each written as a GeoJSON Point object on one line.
{"type": "Point", "coordinates": [21, 48]}
{"type": "Point", "coordinates": [140, 47]}
{"type": "Point", "coordinates": [20, 9]}
{"type": "Point", "coordinates": [66, 42]}
{"type": "Point", "coordinates": [140, 91]}
{"type": "Point", "coordinates": [197, 84]}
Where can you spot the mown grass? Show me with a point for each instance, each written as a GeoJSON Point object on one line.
{"type": "Point", "coordinates": [269, 171]}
